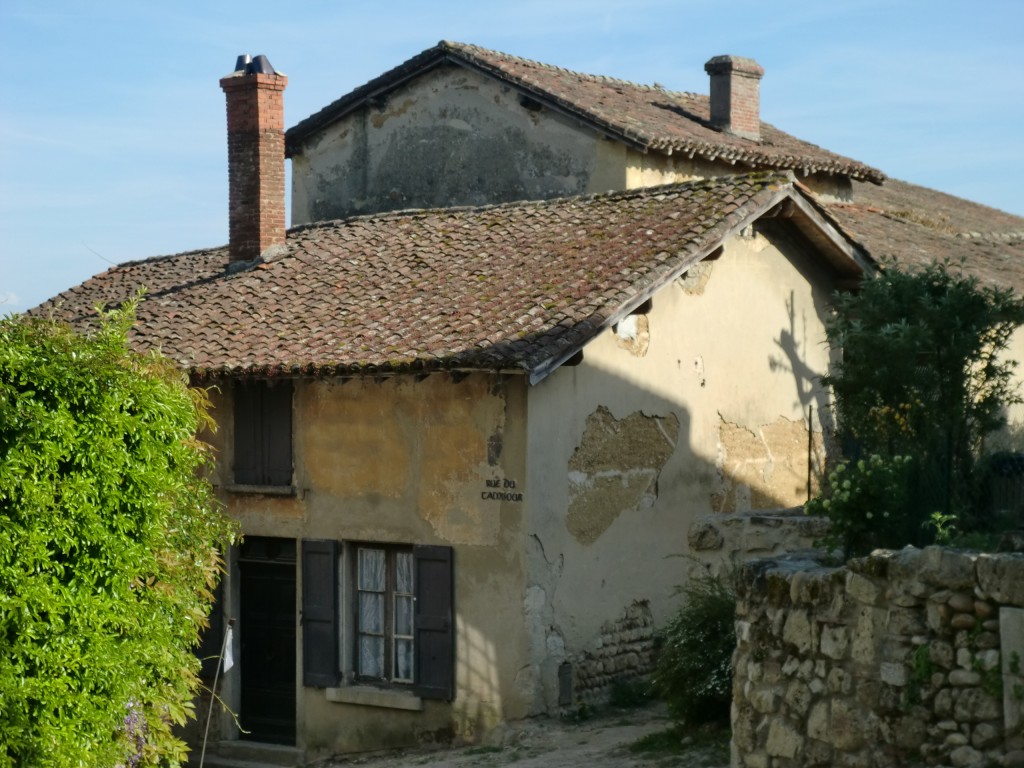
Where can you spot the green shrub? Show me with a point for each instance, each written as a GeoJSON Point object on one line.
{"type": "Point", "coordinates": [922, 369]}
{"type": "Point", "coordinates": [866, 502]}
{"type": "Point", "coordinates": [693, 673]}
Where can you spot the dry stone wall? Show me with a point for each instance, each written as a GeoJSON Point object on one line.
{"type": "Point", "coordinates": [622, 652]}
{"type": "Point", "coordinates": [907, 658]}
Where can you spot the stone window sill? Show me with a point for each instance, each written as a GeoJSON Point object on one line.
{"type": "Point", "coordinates": [263, 490]}
{"type": "Point", "coordinates": [375, 697]}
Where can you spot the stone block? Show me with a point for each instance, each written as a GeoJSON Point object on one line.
{"type": "Point", "coordinates": [892, 673]}
{"type": "Point", "coordinates": [941, 653]}
{"type": "Point", "coordinates": [956, 739]}
{"type": "Point", "coordinates": [943, 704]}
{"type": "Point", "coordinates": [937, 615]}
{"type": "Point", "coordinates": [905, 622]}
{"type": "Point", "coordinates": [798, 697]}
{"type": "Point", "coordinates": [963, 621]}
{"type": "Point", "coordinates": [961, 602]}
{"type": "Point", "coordinates": [862, 589]}
{"type": "Point", "coordinates": [1002, 577]}
{"type": "Point", "coordinates": [908, 732]}
{"type": "Point", "coordinates": [985, 735]}
{"type": "Point", "coordinates": [983, 610]}
{"type": "Point", "coordinates": [973, 705]}
{"type": "Point", "coordinates": [987, 640]}
{"type": "Point", "coordinates": [866, 633]}
{"type": "Point", "coordinates": [764, 700]}
{"type": "Point", "coordinates": [965, 757]}
{"type": "Point", "coordinates": [905, 564]}
{"type": "Point", "coordinates": [835, 641]}
{"type": "Point", "coordinates": [783, 739]}
{"type": "Point", "coordinates": [964, 658]}
{"type": "Point", "coordinates": [963, 678]}
{"type": "Point", "coordinates": [818, 721]}
{"type": "Point", "coordinates": [949, 568]}
{"type": "Point", "coordinates": [839, 681]}
{"type": "Point", "coordinates": [848, 726]}
{"type": "Point", "coordinates": [797, 631]}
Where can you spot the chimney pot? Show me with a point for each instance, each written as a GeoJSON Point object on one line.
{"type": "Point", "coordinates": [242, 62]}
{"type": "Point", "coordinates": [260, 65]}
{"type": "Point", "coordinates": [736, 95]}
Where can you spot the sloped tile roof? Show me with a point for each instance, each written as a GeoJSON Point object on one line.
{"type": "Point", "coordinates": [649, 117]}
{"type": "Point", "coordinates": [913, 226]}
{"type": "Point", "coordinates": [516, 287]}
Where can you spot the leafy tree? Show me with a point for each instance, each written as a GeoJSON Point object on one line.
{"type": "Point", "coordinates": [109, 541]}
{"type": "Point", "coordinates": [924, 374]}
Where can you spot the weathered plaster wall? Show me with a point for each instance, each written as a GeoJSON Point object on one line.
{"type": "Point", "coordinates": [455, 137]}
{"type": "Point", "coordinates": [631, 448]}
{"type": "Point", "coordinates": [649, 169]}
{"type": "Point", "coordinates": [449, 137]}
{"type": "Point", "coordinates": [900, 658]}
{"type": "Point", "coordinates": [410, 462]}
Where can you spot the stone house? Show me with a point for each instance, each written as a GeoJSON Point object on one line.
{"type": "Point", "coordinates": [470, 411]}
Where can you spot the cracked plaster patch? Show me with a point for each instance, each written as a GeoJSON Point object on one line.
{"type": "Point", "coordinates": [615, 469]}
{"type": "Point", "coordinates": [766, 469]}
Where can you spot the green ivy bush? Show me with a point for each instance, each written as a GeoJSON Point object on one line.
{"type": "Point", "coordinates": [693, 671]}
{"type": "Point", "coordinates": [109, 541]}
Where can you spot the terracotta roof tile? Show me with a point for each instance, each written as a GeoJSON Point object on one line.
{"type": "Point", "coordinates": [914, 226]}
{"type": "Point", "coordinates": [509, 287]}
{"type": "Point", "coordinates": [647, 116]}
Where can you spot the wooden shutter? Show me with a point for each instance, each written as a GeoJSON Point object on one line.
{"type": "Point", "coordinates": [248, 428]}
{"type": "Point", "coordinates": [320, 613]}
{"type": "Point", "coordinates": [435, 623]}
{"type": "Point", "coordinates": [277, 433]}
{"type": "Point", "coordinates": [263, 432]}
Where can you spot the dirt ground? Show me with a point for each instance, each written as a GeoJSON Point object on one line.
{"type": "Point", "coordinates": [600, 742]}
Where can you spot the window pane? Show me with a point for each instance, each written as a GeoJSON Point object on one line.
{"type": "Point", "coordinates": [403, 572]}
{"type": "Point", "coordinates": [371, 569]}
{"type": "Point", "coordinates": [403, 615]}
{"type": "Point", "coordinates": [371, 656]}
{"type": "Point", "coordinates": [371, 613]}
{"type": "Point", "coordinates": [403, 660]}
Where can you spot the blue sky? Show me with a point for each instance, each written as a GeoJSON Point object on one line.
{"type": "Point", "coordinates": [112, 136]}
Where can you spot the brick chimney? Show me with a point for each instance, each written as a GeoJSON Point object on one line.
{"type": "Point", "coordinates": [255, 106]}
{"type": "Point", "coordinates": [736, 95]}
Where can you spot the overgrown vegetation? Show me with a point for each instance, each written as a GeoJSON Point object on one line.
{"type": "Point", "coordinates": [924, 379]}
{"type": "Point", "coordinates": [109, 543]}
{"type": "Point", "coordinates": [693, 672]}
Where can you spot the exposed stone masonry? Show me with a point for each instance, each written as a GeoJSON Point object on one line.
{"type": "Point", "coordinates": [623, 651]}
{"type": "Point", "coordinates": [913, 657]}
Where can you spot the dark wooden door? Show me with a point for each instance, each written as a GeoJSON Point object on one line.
{"type": "Point", "coordinates": [266, 629]}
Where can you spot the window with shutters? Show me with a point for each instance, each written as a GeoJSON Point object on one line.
{"type": "Point", "coordinates": [263, 433]}
{"type": "Point", "coordinates": [399, 610]}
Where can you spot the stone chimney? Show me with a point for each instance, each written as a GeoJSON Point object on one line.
{"type": "Point", "coordinates": [736, 95]}
{"type": "Point", "coordinates": [255, 105]}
